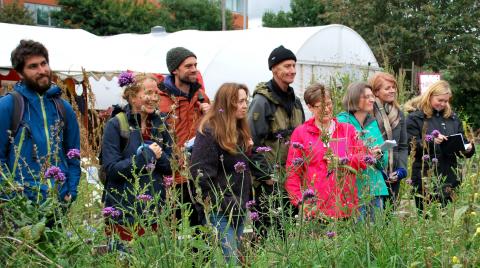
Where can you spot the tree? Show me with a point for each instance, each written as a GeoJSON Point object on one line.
{"type": "Point", "coordinates": [14, 13]}
{"type": "Point", "coordinates": [193, 14]}
{"type": "Point", "coordinates": [303, 13]}
{"type": "Point", "coordinates": [107, 17]}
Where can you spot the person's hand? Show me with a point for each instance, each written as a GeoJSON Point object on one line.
{"type": "Point", "coordinates": [377, 152]}
{"type": "Point", "coordinates": [440, 139]}
{"type": "Point", "coordinates": [67, 198]}
{"type": "Point", "coordinates": [156, 149]}
{"type": "Point", "coordinates": [469, 147]}
{"type": "Point", "coordinates": [393, 177]}
{"type": "Point", "coordinates": [205, 107]}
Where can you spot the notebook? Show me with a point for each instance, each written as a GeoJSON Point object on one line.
{"type": "Point", "coordinates": [454, 144]}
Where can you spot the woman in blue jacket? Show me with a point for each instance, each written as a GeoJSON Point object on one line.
{"type": "Point", "coordinates": [358, 105]}
{"type": "Point", "coordinates": [136, 149]}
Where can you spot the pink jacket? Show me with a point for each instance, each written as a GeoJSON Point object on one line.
{"type": "Point", "coordinates": [308, 168]}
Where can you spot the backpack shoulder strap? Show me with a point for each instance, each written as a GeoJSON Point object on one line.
{"type": "Point", "coordinates": [124, 127]}
{"type": "Point", "coordinates": [18, 109]}
{"type": "Point", "coordinates": [60, 108]}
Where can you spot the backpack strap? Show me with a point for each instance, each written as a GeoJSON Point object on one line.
{"type": "Point", "coordinates": [18, 108]}
{"type": "Point", "coordinates": [124, 126]}
{"type": "Point", "coordinates": [60, 108]}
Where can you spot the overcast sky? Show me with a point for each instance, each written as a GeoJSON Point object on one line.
{"type": "Point", "coordinates": [256, 8]}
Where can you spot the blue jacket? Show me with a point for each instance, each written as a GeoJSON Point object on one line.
{"type": "Point", "coordinates": [43, 140]}
{"type": "Point", "coordinates": [120, 157]}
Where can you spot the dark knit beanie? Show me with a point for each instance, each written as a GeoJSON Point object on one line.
{"type": "Point", "coordinates": [280, 54]}
{"type": "Point", "coordinates": [176, 56]}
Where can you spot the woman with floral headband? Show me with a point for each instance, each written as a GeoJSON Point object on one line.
{"type": "Point", "coordinates": [429, 126]}
{"type": "Point", "coordinates": [323, 158]}
{"type": "Point", "coordinates": [136, 149]}
{"type": "Point", "coordinates": [219, 161]}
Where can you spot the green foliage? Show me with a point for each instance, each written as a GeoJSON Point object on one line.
{"type": "Point", "coordinates": [15, 13]}
{"type": "Point", "coordinates": [193, 14]}
{"type": "Point", "coordinates": [303, 13]}
{"type": "Point", "coordinates": [107, 17]}
{"type": "Point", "coordinates": [111, 17]}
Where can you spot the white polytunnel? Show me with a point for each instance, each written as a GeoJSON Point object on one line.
{"type": "Point", "coordinates": [223, 56]}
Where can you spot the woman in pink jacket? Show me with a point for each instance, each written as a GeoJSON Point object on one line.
{"type": "Point", "coordinates": [323, 159]}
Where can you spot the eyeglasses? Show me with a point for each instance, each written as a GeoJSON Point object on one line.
{"type": "Point", "coordinates": [319, 106]}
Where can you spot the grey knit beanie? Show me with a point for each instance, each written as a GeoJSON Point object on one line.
{"type": "Point", "coordinates": [176, 56]}
{"type": "Point", "coordinates": [280, 54]}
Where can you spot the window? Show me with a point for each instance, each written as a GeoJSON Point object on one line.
{"type": "Point", "coordinates": [42, 13]}
{"type": "Point", "coordinates": [235, 5]}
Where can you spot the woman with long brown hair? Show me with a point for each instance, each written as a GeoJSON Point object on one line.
{"type": "Point", "coordinates": [219, 161]}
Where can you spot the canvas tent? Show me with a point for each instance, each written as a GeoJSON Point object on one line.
{"type": "Point", "coordinates": [229, 56]}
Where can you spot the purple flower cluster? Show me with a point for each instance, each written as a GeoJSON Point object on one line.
{"type": "Point", "coordinates": [167, 181]}
{"type": "Point", "coordinates": [73, 153]}
{"type": "Point", "coordinates": [435, 133]}
{"type": "Point", "coordinates": [428, 138]}
{"type": "Point", "coordinates": [254, 216]}
{"type": "Point", "coordinates": [435, 160]}
{"type": "Point", "coordinates": [150, 167]}
{"type": "Point", "coordinates": [425, 157]}
{"type": "Point", "coordinates": [369, 160]}
{"type": "Point", "coordinates": [55, 173]}
{"type": "Point", "coordinates": [298, 161]}
{"type": "Point", "coordinates": [250, 204]}
{"type": "Point", "coordinates": [221, 110]}
{"type": "Point", "coordinates": [343, 160]}
{"type": "Point", "coordinates": [331, 234]}
{"type": "Point", "coordinates": [145, 197]}
{"type": "Point", "coordinates": [240, 167]}
{"type": "Point", "coordinates": [126, 79]}
{"type": "Point", "coordinates": [297, 145]}
{"type": "Point", "coordinates": [307, 194]}
{"type": "Point", "coordinates": [263, 149]}
{"type": "Point", "coordinates": [111, 212]}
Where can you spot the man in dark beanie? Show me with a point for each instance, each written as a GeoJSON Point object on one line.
{"type": "Point", "coordinates": [184, 101]}
{"type": "Point", "coordinates": [274, 113]}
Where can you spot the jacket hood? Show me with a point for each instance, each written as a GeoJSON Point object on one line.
{"type": "Point", "coordinates": [264, 88]}
{"type": "Point", "coordinates": [172, 89]}
{"type": "Point", "coordinates": [311, 127]}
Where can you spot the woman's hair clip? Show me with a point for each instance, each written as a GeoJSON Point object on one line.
{"type": "Point", "coordinates": [126, 79]}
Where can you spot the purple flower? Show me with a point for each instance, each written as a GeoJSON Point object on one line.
{"type": "Point", "coordinates": [370, 160]}
{"type": "Point", "coordinates": [287, 142]}
{"type": "Point", "coordinates": [297, 161]}
{"type": "Point", "coordinates": [111, 212]}
{"type": "Point", "coordinates": [307, 194]}
{"type": "Point", "coordinates": [55, 173]}
{"type": "Point", "coordinates": [221, 110]}
{"type": "Point", "coordinates": [145, 197]}
{"type": "Point", "coordinates": [425, 157]}
{"type": "Point", "coordinates": [167, 181]}
{"type": "Point", "coordinates": [331, 234]}
{"type": "Point", "coordinates": [126, 79]}
{"type": "Point", "coordinates": [279, 136]}
{"type": "Point", "coordinates": [428, 138]}
{"type": "Point", "coordinates": [250, 204]}
{"type": "Point", "coordinates": [435, 160]}
{"type": "Point", "coordinates": [150, 167]}
{"type": "Point", "coordinates": [343, 160]}
{"type": "Point", "coordinates": [435, 133]}
{"type": "Point", "coordinates": [254, 216]}
{"type": "Point", "coordinates": [297, 145]}
{"type": "Point", "coordinates": [240, 167]}
{"type": "Point", "coordinates": [263, 149]}
{"type": "Point", "coordinates": [73, 153]}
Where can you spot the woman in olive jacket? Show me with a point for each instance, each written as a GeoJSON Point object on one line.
{"type": "Point", "coordinates": [429, 126]}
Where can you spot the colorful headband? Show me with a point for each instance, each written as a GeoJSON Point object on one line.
{"type": "Point", "coordinates": [126, 78]}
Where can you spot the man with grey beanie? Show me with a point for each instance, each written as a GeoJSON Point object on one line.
{"type": "Point", "coordinates": [274, 113]}
{"type": "Point", "coordinates": [184, 101]}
